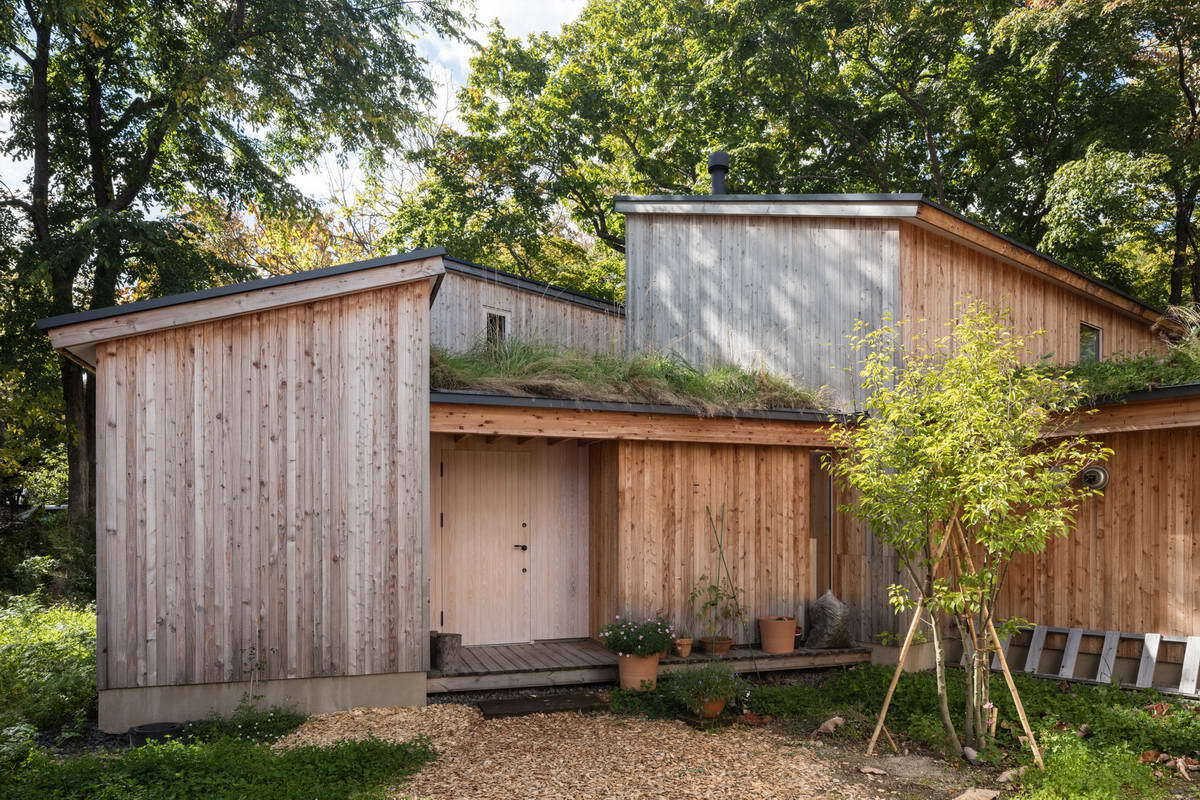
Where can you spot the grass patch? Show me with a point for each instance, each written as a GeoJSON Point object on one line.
{"type": "Point", "coordinates": [1078, 771]}
{"type": "Point", "coordinates": [522, 368]}
{"type": "Point", "coordinates": [225, 769]}
{"type": "Point", "coordinates": [249, 723]}
{"type": "Point", "coordinates": [47, 663]}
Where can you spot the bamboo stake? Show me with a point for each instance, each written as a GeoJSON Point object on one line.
{"type": "Point", "coordinates": [891, 740]}
{"type": "Point", "coordinates": [912, 631]}
{"type": "Point", "coordinates": [1012, 689]}
{"type": "Point", "coordinates": [1008, 678]}
{"type": "Point", "coordinates": [887, 700]}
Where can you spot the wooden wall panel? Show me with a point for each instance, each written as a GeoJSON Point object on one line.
{"type": "Point", "coordinates": [1131, 564]}
{"type": "Point", "coordinates": [655, 541]}
{"type": "Point", "coordinates": [779, 293]}
{"type": "Point", "coordinates": [937, 272]}
{"type": "Point", "coordinates": [262, 499]}
{"type": "Point", "coordinates": [558, 501]}
{"type": "Point", "coordinates": [459, 317]}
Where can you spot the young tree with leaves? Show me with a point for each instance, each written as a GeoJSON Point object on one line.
{"type": "Point", "coordinates": [124, 108]}
{"type": "Point", "coordinates": [963, 460]}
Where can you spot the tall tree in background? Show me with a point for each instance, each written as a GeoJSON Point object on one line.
{"type": "Point", "coordinates": [125, 109]}
{"type": "Point", "coordinates": [988, 107]}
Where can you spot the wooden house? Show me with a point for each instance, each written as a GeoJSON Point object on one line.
{"type": "Point", "coordinates": [286, 508]}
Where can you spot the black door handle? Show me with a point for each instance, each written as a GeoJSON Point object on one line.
{"type": "Point", "coordinates": [521, 546]}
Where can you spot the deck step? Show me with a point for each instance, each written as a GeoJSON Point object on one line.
{"type": "Point", "coordinates": [544, 704]}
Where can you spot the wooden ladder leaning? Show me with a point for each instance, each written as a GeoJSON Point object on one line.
{"type": "Point", "coordinates": [1189, 678]}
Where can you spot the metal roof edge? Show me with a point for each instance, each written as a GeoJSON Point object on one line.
{"type": "Point", "coordinates": [1171, 392]}
{"type": "Point", "coordinates": [532, 285]}
{"type": "Point", "coordinates": [235, 288]}
{"type": "Point", "coordinates": [908, 197]}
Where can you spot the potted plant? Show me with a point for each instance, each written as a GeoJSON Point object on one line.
{"type": "Point", "coordinates": [708, 689]}
{"type": "Point", "coordinates": [639, 646]}
{"type": "Point", "coordinates": [716, 606]}
{"type": "Point", "coordinates": [683, 643]}
{"type": "Point", "coordinates": [778, 634]}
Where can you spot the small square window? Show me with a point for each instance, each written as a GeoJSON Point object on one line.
{"type": "Point", "coordinates": [1089, 342]}
{"type": "Point", "coordinates": [497, 325]}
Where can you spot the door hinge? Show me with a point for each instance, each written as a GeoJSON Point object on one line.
{"type": "Point", "coordinates": [441, 469]}
{"type": "Point", "coordinates": [442, 619]}
{"type": "Point", "coordinates": [441, 519]}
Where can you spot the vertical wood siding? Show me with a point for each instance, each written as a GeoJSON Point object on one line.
{"type": "Point", "coordinates": [654, 542]}
{"type": "Point", "coordinates": [779, 293]}
{"type": "Point", "coordinates": [262, 500]}
{"type": "Point", "coordinates": [936, 273]}
{"type": "Point", "coordinates": [1131, 564]}
{"type": "Point", "coordinates": [555, 484]}
{"type": "Point", "coordinates": [459, 317]}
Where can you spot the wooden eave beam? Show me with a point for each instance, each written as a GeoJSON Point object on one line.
{"type": "Point", "coordinates": [1177, 412]}
{"type": "Point", "coordinates": [557, 423]}
{"type": "Point", "coordinates": [80, 339]}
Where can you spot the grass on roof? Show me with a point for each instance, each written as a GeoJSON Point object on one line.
{"type": "Point", "coordinates": [1123, 374]}
{"type": "Point", "coordinates": [526, 369]}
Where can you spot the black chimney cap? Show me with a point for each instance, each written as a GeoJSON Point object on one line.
{"type": "Point", "coordinates": [718, 166]}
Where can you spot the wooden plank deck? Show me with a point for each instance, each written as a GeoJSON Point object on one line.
{"type": "Point", "coordinates": [577, 661]}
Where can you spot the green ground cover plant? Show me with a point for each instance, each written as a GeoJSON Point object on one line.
{"type": "Point", "coordinates": [1120, 723]}
{"type": "Point", "coordinates": [225, 769]}
{"type": "Point", "coordinates": [47, 662]}
{"type": "Point", "coordinates": [525, 368]}
{"type": "Point", "coordinates": [248, 723]}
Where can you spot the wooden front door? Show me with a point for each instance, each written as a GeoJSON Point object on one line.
{"type": "Point", "coordinates": [485, 539]}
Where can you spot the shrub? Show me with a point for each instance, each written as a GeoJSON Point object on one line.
{"type": "Point", "coordinates": [248, 723]}
{"type": "Point", "coordinates": [657, 703]}
{"type": "Point", "coordinates": [226, 769]}
{"type": "Point", "coordinates": [47, 661]}
{"type": "Point", "coordinates": [694, 686]}
{"type": "Point", "coordinates": [628, 638]}
{"type": "Point", "coordinates": [1078, 771]}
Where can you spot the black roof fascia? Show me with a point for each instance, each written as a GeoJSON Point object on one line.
{"type": "Point", "coordinates": [909, 197]}
{"type": "Point", "coordinates": [1179, 390]}
{"type": "Point", "coordinates": [519, 401]}
{"type": "Point", "coordinates": [236, 288]}
{"type": "Point", "coordinates": [532, 285]}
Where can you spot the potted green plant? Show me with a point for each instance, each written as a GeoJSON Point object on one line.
{"type": "Point", "coordinates": [639, 646]}
{"type": "Point", "coordinates": [683, 643]}
{"type": "Point", "coordinates": [716, 606]}
{"type": "Point", "coordinates": [708, 689]}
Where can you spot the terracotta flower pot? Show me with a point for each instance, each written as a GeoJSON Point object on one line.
{"type": "Point", "coordinates": [683, 647]}
{"type": "Point", "coordinates": [711, 709]}
{"type": "Point", "coordinates": [638, 672]}
{"type": "Point", "coordinates": [778, 634]}
{"type": "Point", "coordinates": [716, 645]}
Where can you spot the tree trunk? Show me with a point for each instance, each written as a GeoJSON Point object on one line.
{"type": "Point", "coordinates": [1184, 207]}
{"type": "Point", "coordinates": [79, 400]}
{"type": "Point", "coordinates": [943, 697]}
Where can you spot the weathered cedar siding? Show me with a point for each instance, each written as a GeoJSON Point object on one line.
{"type": "Point", "coordinates": [936, 273]}
{"type": "Point", "coordinates": [459, 317]}
{"type": "Point", "coordinates": [652, 540]}
{"type": "Point", "coordinates": [1131, 564]}
{"type": "Point", "coordinates": [263, 494]}
{"type": "Point", "coordinates": [775, 292]}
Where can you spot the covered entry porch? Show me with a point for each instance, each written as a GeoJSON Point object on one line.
{"type": "Point", "coordinates": [550, 517]}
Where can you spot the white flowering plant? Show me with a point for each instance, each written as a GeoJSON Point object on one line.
{"type": "Point", "coordinates": [629, 637]}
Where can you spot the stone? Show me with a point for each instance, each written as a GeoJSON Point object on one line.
{"type": "Point", "coordinates": [979, 794]}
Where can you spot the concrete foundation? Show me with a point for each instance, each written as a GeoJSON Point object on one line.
{"type": "Point", "coordinates": [121, 709]}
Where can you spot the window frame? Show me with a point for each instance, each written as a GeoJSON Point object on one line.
{"type": "Point", "coordinates": [490, 314]}
{"type": "Point", "coordinates": [1099, 340]}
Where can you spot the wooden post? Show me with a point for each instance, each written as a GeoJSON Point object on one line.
{"type": "Point", "coordinates": [1012, 689]}
{"type": "Point", "coordinates": [887, 700]}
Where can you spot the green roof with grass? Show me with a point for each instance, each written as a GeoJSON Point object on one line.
{"type": "Point", "coordinates": [524, 369]}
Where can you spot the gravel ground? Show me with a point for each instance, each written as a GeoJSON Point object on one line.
{"type": "Point", "coordinates": [589, 757]}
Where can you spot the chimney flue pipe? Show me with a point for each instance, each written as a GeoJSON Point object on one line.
{"type": "Point", "coordinates": [718, 168]}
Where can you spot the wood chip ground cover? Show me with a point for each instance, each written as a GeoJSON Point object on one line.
{"type": "Point", "coordinates": [586, 757]}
